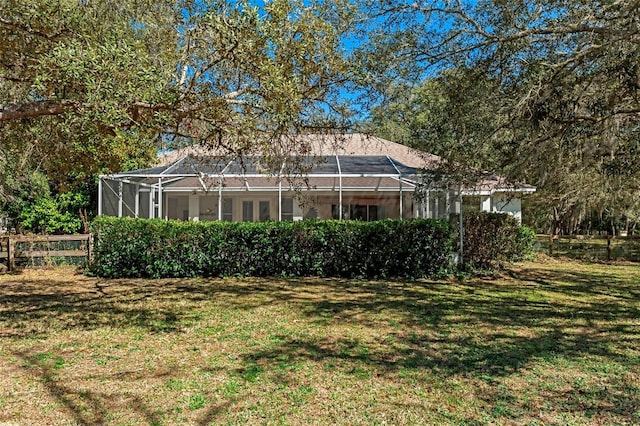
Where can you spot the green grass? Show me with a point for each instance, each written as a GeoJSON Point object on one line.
{"type": "Point", "coordinates": [545, 343]}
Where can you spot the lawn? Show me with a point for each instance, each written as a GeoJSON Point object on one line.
{"type": "Point", "coordinates": [548, 342]}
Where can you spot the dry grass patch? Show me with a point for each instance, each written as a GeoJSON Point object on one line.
{"type": "Point", "coordinates": [547, 343]}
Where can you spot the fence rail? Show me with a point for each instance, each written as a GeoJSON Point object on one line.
{"type": "Point", "coordinates": [14, 248]}
{"type": "Point", "coordinates": [591, 247]}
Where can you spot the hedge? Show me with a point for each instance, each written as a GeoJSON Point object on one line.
{"type": "Point", "coordinates": [126, 247]}
{"type": "Point", "coordinates": [494, 238]}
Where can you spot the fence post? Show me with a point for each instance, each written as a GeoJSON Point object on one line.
{"type": "Point", "coordinates": [608, 247]}
{"type": "Point", "coordinates": [10, 255]}
{"type": "Point", "coordinates": [89, 248]}
{"type": "Point", "coordinates": [551, 244]}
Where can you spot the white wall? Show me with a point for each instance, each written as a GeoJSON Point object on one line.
{"type": "Point", "coordinates": [194, 207]}
{"type": "Point", "coordinates": [485, 203]}
{"type": "Point", "coordinates": [506, 203]}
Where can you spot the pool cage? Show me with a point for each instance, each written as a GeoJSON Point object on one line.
{"type": "Point", "coordinates": [362, 187]}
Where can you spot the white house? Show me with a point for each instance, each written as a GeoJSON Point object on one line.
{"type": "Point", "coordinates": [350, 176]}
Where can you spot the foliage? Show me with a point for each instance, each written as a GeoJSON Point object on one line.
{"type": "Point", "coordinates": [126, 247]}
{"type": "Point", "coordinates": [494, 238]}
{"type": "Point", "coordinates": [54, 214]}
{"type": "Point", "coordinates": [452, 116]}
{"type": "Point", "coordinates": [20, 188]}
{"type": "Point", "coordinates": [67, 71]}
{"type": "Point", "coordinates": [89, 87]}
{"type": "Point", "coordinates": [545, 92]}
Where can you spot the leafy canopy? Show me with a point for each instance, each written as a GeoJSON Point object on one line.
{"type": "Point", "coordinates": [544, 91]}
{"type": "Point", "coordinates": [92, 87]}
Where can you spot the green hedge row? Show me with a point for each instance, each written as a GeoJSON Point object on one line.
{"type": "Point", "coordinates": [493, 238]}
{"type": "Point", "coordinates": [126, 247]}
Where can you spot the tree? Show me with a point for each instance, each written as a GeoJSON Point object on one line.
{"type": "Point", "coordinates": [564, 79]}
{"type": "Point", "coordinates": [92, 87]}
{"type": "Point", "coordinates": [446, 116]}
{"type": "Point", "coordinates": [55, 215]}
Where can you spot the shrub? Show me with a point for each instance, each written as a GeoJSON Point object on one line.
{"type": "Point", "coordinates": [126, 247]}
{"type": "Point", "coordinates": [492, 238]}
{"type": "Point", "coordinates": [54, 215]}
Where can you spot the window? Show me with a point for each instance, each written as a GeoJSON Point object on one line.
{"type": "Point", "coordinates": [247, 211]}
{"type": "Point", "coordinates": [335, 212]}
{"type": "Point", "coordinates": [373, 212]}
{"type": "Point", "coordinates": [265, 211]}
{"type": "Point", "coordinates": [227, 209]}
{"type": "Point", "coordinates": [208, 208]}
{"type": "Point", "coordinates": [287, 209]}
{"type": "Point", "coordinates": [358, 212]}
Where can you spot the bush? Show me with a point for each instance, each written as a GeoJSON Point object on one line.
{"type": "Point", "coordinates": [126, 247]}
{"type": "Point", "coordinates": [492, 238]}
{"type": "Point", "coordinates": [54, 215]}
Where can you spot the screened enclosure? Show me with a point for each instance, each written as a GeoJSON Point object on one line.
{"type": "Point", "coordinates": [209, 188]}
{"type": "Point", "coordinates": [362, 177]}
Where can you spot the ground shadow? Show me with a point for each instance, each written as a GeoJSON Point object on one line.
{"type": "Point", "coordinates": [537, 314]}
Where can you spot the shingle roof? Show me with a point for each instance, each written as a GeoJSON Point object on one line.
{"type": "Point", "coordinates": [333, 144]}
{"type": "Point", "coordinates": [356, 152]}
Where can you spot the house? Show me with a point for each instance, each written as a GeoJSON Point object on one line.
{"type": "Point", "coordinates": [349, 176]}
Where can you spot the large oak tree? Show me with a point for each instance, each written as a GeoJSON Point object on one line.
{"type": "Point", "coordinates": [563, 106]}
{"type": "Point", "coordinates": [93, 86]}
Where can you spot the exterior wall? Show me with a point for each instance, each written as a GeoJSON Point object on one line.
{"type": "Point", "coordinates": [386, 203]}
{"type": "Point", "coordinates": [194, 207]}
{"type": "Point", "coordinates": [178, 208]}
{"type": "Point", "coordinates": [255, 198]}
{"type": "Point", "coordinates": [433, 205]}
{"type": "Point", "coordinates": [306, 204]}
{"type": "Point", "coordinates": [497, 203]}
{"type": "Point", "coordinates": [506, 203]}
{"type": "Point", "coordinates": [485, 204]}
{"type": "Point", "coordinates": [206, 206]}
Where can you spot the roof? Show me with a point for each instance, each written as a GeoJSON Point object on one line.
{"type": "Point", "coordinates": [361, 144]}
{"type": "Point", "coordinates": [491, 183]}
{"type": "Point", "coordinates": [327, 155]}
{"type": "Point", "coordinates": [326, 165]}
{"type": "Point", "coordinates": [346, 144]}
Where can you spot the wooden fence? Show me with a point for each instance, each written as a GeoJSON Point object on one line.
{"type": "Point", "coordinates": [15, 249]}
{"type": "Point", "coordinates": [591, 247]}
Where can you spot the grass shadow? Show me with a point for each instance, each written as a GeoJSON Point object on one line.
{"type": "Point", "coordinates": [483, 331]}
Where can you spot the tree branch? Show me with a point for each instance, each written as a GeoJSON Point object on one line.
{"type": "Point", "coordinates": [13, 111]}
{"type": "Point", "coordinates": [30, 30]}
